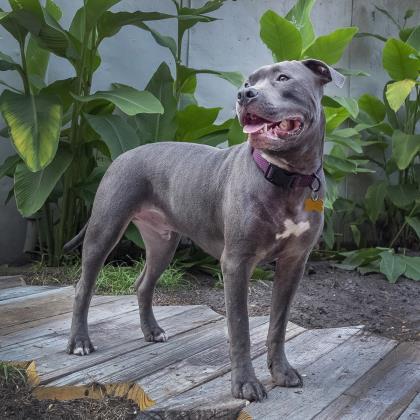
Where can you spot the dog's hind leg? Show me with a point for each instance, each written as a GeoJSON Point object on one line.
{"type": "Point", "coordinates": [159, 253]}
{"type": "Point", "coordinates": [100, 239]}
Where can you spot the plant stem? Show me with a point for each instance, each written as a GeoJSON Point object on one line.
{"type": "Point", "coordinates": [50, 237]}
{"type": "Point", "coordinates": [401, 228]}
{"type": "Point", "coordinates": [67, 220]}
{"type": "Point", "coordinates": [24, 73]}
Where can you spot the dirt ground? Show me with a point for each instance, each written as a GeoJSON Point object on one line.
{"type": "Point", "coordinates": [326, 297]}
{"type": "Point", "coordinates": [17, 403]}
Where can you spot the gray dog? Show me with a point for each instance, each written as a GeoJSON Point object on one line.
{"type": "Point", "coordinates": [256, 202]}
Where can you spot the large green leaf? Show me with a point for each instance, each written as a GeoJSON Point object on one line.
{"type": "Point", "coordinates": [11, 24]}
{"type": "Point", "coordinates": [330, 48]}
{"type": "Point", "coordinates": [33, 189]}
{"type": "Point", "coordinates": [133, 235]}
{"type": "Point", "coordinates": [188, 16]}
{"type": "Point", "coordinates": [162, 40]}
{"type": "Point", "coordinates": [236, 134]}
{"type": "Point", "coordinates": [397, 92]}
{"type": "Point", "coordinates": [413, 267]}
{"type": "Point", "coordinates": [158, 127]}
{"type": "Point", "coordinates": [374, 200]}
{"type": "Point", "coordinates": [393, 266]}
{"type": "Point", "coordinates": [195, 122]}
{"type": "Point", "coordinates": [49, 34]}
{"type": "Point", "coordinates": [186, 73]}
{"type": "Point", "coordinates": [110, 23]}
{"type": "Point", "coordinates": [34, 123]}
{"type": "Point", "coordinates": [414, 222]}
{"type": "Point", "coordinates": [373, 107]}
{"type": "Point", "coordinates": [7, 63]}
{"type": "Point", "coordinates": [397, 60]}
{"type": "Point", "coordinates": [300, 16]}
{"type": "Point", "coordinates": [94, 9]}
{"type": "Point", "coordinates": [403, 195]}
{"type": "Point", "coordinates": [62, 89]}
{"type": "Point", "coordinates": [338, 167]}
{"type": "Point", "coordinates": [404, 148]}
{"type": "Point", "coordinates": [350, 104]}
{"type": "Point", "coordinates": [335, 117]}
{"type": "Point", "coordinates": [9, 165]}
{"type": "Point", "coordinates": [37, 57]}
{"type": "Point", "coordinates": [347, 142]}
{"type": "Point", "coordinates": [129, 100]}
{"type": "Point", "coordinates": [118, 135]}
{"type": "Point", "coordinates": [414, 38]}
{"type": "Point", "coordinates": [280, 36]}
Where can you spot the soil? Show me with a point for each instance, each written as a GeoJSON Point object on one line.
{"type": "Point", "coordinates": [17, 402]}
{"type": "Point", "coordinates": [326, 297]}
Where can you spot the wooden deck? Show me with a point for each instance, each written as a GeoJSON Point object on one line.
{"type": "Point", "coordinates": [348, 374]}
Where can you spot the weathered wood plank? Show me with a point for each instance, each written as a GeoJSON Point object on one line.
{"type": "Point", "coordinates": [302, 350]}
{"type": "Point", "coordinates": [122, 349]}
{"type": "Point", "coordinates": [204, 366]}
{"type": "Point", "coordinates": [45, 295]}
{"type": "Point", "coordinates": [412, 412]}
{"type": "Point", "coordinates": [326, 379]}
{"type": "Point", "coordinates": [8, 295]}
{"type": "Point", "coordinates": [106, 328]}
{"type": "Point", "coordinates": [34, 312]}
{"type": "Point", "coordinates": [145, 361]}
{"type": "Point", "coordinates": [100, 309]}
{"type": "Point", "coordinates": [11, 281]}
{"type": "Point", "coordinates": [383, 392]}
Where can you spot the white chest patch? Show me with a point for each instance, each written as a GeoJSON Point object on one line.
{"type": "Point", "coordinates": [292, 228]}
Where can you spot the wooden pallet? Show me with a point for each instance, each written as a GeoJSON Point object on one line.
{"type": "Point", "coordinates": [348, 373]}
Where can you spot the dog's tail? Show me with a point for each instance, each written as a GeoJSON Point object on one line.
{"type": "Point", "coordinates": [76, 241]}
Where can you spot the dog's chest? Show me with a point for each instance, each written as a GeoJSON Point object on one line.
{"type": "Point", "coordinates": [290, 227]}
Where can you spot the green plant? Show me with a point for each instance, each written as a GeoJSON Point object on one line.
{"type": "Point", "coordinates": [10, 373]}
{"type": "Point", "coordinates": [389, 215]}
{"type": "Point", "coordinates": [59, 157]}
{"type": "Point", "coordinates": [119, 279]}
{"type": "Point", "coordinates": [64, 135]}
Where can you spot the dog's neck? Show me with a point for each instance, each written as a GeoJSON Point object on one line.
{"type": "Point", "coordinates": [302, 163]}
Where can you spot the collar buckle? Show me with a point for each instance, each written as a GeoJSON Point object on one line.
{"type": "Point", "coordinates": [279, 177]}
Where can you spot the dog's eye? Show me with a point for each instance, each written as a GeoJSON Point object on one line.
{"type": "Point", "coordinates": [246, 84]}
{"type": "Point", "coordinates": [282, 78]}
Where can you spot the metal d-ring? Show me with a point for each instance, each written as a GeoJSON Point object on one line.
{"type": "Point", "coordinates": [318, 186]}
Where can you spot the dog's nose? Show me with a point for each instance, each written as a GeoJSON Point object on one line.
{"type": "Point", "coordinates": [246, 95]}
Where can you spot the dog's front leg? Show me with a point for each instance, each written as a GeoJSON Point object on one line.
{"type": "Point", "coordinates": [289, 271]}
{"type": "Point", "coordinates": [237, 271]}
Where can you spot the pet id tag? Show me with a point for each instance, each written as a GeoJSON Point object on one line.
{"type": "Point", "coordinates": [314, 203]}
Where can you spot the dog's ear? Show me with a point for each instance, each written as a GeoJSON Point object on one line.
{"type": "Point", "coordinates": [325, 73]}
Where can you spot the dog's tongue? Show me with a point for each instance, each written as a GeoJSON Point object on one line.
{"type": "Point", "coordinates": [253, 128]}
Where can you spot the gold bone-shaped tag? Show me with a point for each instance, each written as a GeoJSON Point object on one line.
{"type": "Point", "coordinates": [314, 205]}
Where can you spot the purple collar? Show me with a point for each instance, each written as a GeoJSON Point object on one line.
{"type": "Point", "coordinates": [282, 178]}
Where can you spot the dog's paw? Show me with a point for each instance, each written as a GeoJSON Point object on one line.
{"type": "Point", "coordinates": [250, 389]}
{"type": "Point", "coordinates": [80, 345]}
{"type": "Point", "coordinates": [156, 335]}
{"type": "Point", "coordinates": [286, 376]}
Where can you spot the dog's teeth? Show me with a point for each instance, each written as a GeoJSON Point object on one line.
{"type": "Point", "coordinates": [265, 128]}
{"type": "Point", "coordinates": [284, 125]}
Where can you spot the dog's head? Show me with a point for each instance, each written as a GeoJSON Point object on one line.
{"type": "Point", "coordinates": [279, 104]}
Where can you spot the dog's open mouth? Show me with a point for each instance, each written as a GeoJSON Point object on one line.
{"type": "Point", "coordinates": [290, 126]}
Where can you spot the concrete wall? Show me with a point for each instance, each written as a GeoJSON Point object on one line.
{"type": "Point", "coordinates": [231, 43]}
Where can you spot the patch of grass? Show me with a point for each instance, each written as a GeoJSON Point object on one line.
{"type": "Point", "coordinates": [119, 279]}
{"type": "Point", "coordinates": [10, 374]}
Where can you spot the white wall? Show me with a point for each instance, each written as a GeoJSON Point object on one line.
{"type": "Point", "coordinates": [231, 43]}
